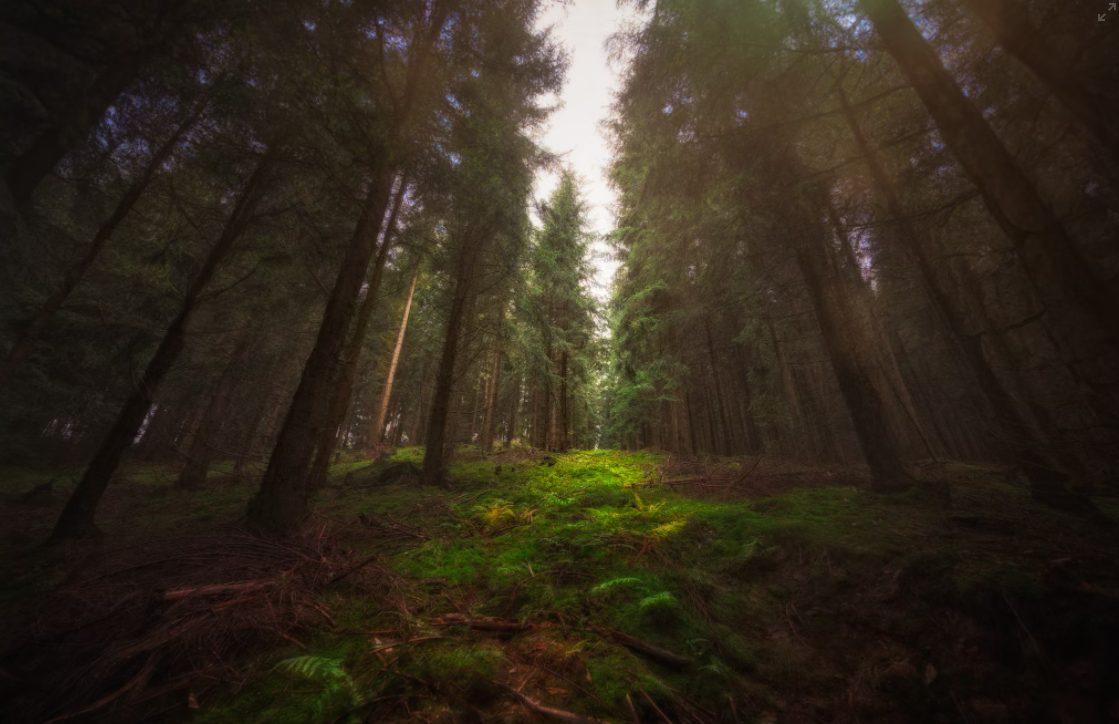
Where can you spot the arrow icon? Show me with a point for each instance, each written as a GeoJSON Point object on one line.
{"type": "Point", "coordinates": [1100, 17]}
{"type": "Point", "coordinates": [1111, 6]}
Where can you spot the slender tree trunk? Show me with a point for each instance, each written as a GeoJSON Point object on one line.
{"type": "Point", "coordinates": [490, 427]}
{"type": "Point", "coordinates": [386, 393]}
{"type": "Point", "coordinates": [76, 273]}
{"type": "Point", "coordinates": [1010, 22]}
{"type": "Point", "coordinates": [1045, 249]}
{"type": "Point", "coordinates": [77, 517]}
{"type": "Point", "coordinates": [511, 431]}
{"type": "Point", "coordinates": [724, 436]}
{"type": "Point", "coordinates": [283, 500]}
{"type": "Point", "coordinates": [563, 431]}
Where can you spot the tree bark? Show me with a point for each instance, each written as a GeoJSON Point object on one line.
{"type": "Point", "coordinates": [489, 429]}
{"type": "Point", "coordinates": [77, 518]}
{"type": "Point", "coordinates": [514, 409]}
{"type": "Point", "coordinates": [1046, 251]}
{"type": "Point", "coordinates": [849, 347]}
{"type": "Point", "coordinates": [1017, 439]}
{"type": "Point", "coordinates": [1011, 25]}
{"type": "Point", "coordinates": [386, 393]}
{"type": "Point", "coordinates": [283, 501]}
{"type": "Point", "coordinates": [563, 431]}
{"type": "Point", "coordinates": [434, 464]}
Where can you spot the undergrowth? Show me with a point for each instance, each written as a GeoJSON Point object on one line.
{"type": "Point", "coordinates": [823, 603]}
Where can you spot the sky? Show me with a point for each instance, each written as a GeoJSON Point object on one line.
{"type": "Point", "coordinates": [574, 131]}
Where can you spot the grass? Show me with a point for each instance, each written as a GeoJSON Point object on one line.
{"type": "Point", "coordinates": [817, 599]}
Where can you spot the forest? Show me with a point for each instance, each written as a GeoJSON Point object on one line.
{"type": "Point", "coordinates": [311, 410]}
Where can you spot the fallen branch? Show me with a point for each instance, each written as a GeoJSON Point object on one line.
{"type": "Point", "coordinates": [645, 648]}
{"type": "Point", "coordinates": [493, 625]}
{"type": "Point", "coordinates": [534, 705]}
{"type": "Point", "coordinates": [354, 568]}
{"type": "Point", "coordinates": [655, 707]}
{"type": "Point", "coordinates": [214, 589]}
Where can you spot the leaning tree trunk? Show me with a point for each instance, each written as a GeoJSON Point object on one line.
{"type": "Point", "coordinates": [76, 520]}
{"type": "Point", "coordinates": [283, 501]}
{"type": "Point", "coordinates": [849, 347]}
{"type": "Point", "coordinates": [1010, 22]}
{"type": "Point", "coordinates": [1018, 441]}
{"type": "Point", "coordinates": [378, 435]}
{"type": "Point", "coordinates": [76, 273]}
{"type": "Point", "coordinates": [1046, 251]}
{"type": "Point", "coordinates": [434, 463]}
{"type": "Point", "coordinates": [341, 393]}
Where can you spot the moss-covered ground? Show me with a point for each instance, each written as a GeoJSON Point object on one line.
{"type": "Point", "coordinates": [585, 583]}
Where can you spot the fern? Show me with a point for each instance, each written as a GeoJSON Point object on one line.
{"type": "Point", "coordinates": [616, 583]}
{"type": "Point", "coordinates": [662, 600]}
{"type": "Point", "coordinates": [339, 688]}
{"type": "Point", "coordinates": [666, 530]}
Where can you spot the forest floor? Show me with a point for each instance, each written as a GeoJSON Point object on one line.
{"type": "Point", "coordinates": [596, 585]}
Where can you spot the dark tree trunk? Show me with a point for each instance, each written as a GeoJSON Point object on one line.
{"type": "Point", "coordinates": [849, 346]}
{"type": "Point", "coordinates": [1045, 249]}
{"type": "Point", "coordinates": [515, 408]}
{"type": "Point", "coordinates": [724, 426]}
{"type": "Point", "coordinates": [417, 425]}
{"type": "Point", "coordinates": [489, 429]}
{"type": "Point", "coordinates": [1016, 438]}
{"type": "Point", "coordinates": [283, 501]}
{"type": "Point", "coordinates": [563, 431]}
{"type": "Point", "coordinates": [434, 465]}
{"type": "Point", "coordinates": [340, 394]}
{"type": "Point", "coordinates": [76, 519]}
{"type": "Point", "coordinates": [1010, 22]}
{"type": "Point", "coordinates": [76, 273]}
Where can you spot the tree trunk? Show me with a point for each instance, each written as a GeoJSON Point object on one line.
{"type": "Point", "coordinates": [341, 394]}
{"type": "Point", "coordinates": [1019, 444]}
{"type": "Point", "coordinates": [724, 436]}
{"type": "Point", "coordinates": [1045, 249]}
{"type": "Point", "coordinates": [490, 427]}
{"type": "Point", "coordinates": [515, 407]}
{"type": "Point", "coordinates": [434, 454]}
{"type": "Point", "coordinates": [563, 431]}
{"type": "Point", "coordinates": [417, 425]}
{"type": "Point", "coordinates": [77, 272]}
{"type": "Point", "coordinates": [76, 519]}
{"type": "Point", "coordinates": [849, 347]}
{"type": "Point", "coordinates": [283, 501]}
{"type": "Point", "coordinates": [1011, 25]}
{"type": "Point", "coordinates": [382, 409]}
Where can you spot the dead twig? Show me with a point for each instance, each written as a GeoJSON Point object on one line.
{"type": "Point", "coordinates": [536, 706]}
